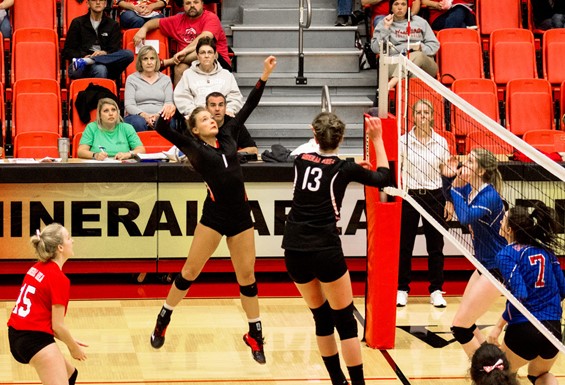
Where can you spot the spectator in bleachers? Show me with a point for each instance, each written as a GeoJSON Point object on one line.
{"type": "Point", "coordinates": [109, 136]}
{"type": "Point", "coordinates": [93, 45]}
{"type": "Point", "coordinates": [451, 13]}
{"type": "Point", "coordinates": [393, 29]}
{"type": "Point", "coordinates": [549, 14]}
{"type": "Point", "coordinates": [5, 26]}
{"type": "Point", "coordinates": [148, 92]}
{"type": "Point", "coordinates": [136, 12]}
{"type": "Point", "coordinates": [216, 105]}
{"type": "Point", "coordinates": [381, 8]}
{"type": "Point", "coordinates": [186, 29]}
{"type": "Point", "coordinates": [344, 12]}
{"type": "Point", "coordinates": [204, 76]}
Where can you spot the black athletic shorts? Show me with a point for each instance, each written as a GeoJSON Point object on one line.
{"type": "Point", "coordinates": [496, 273]}
{"type": "Point", "coordinates": [228, 221]}
{"type": "Point", "coordinates": [24, 344]}
{"type": "Point", "coordinates": [528, 343]}
{"type": "Point", "coordinates": [304, 266]}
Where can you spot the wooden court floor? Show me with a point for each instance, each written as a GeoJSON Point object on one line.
{"type": "Point", "coordinates": [204, 345]}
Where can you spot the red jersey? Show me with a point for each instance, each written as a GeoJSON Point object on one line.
{"type": "Point", "coordinates": [380, 9]}
{"type": "Point", "coordinates": [435, 13]}
{"type": "Point", "coordinates": [184, 30]}
{"type": "Point", "coordinates": [44, 285]}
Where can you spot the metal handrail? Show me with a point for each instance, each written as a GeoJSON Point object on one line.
{"type": "Point", "coordinates": [300, 79]}
{"type": "Point", "coordinates": [326, 99]}
{"type": "Point", "coordinates": [306, 24]}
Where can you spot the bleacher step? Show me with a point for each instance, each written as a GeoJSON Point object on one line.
{"type": "Point", "coordinates": [280, 15]}
{"type": "Point", "coordinates": [286, 36]}
{"type": "Point", "coordinates": [319, 60]}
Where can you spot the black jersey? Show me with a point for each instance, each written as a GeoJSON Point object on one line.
{"type": "Point", "coordinates": [219, 167]}
{"type": "Point", "coordinates": [319, 187]}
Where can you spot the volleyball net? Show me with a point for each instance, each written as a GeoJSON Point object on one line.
{"type": "Point", "coordinates": [529, 176]}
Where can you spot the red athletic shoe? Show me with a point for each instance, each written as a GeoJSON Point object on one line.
{"type": "Point", "coordinates": [256, 348]}
{"type": "Point", "coordinates": [158, 336]}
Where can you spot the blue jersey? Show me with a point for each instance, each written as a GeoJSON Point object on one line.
{"type": "Point", "coordinates": [533, 275]}
{"type": "Point", "coordinates": [483, 214]}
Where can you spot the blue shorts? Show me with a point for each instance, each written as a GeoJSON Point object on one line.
{"type": "Point", "coordinates": [24, 344]}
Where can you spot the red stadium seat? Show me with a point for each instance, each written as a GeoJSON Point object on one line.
{"type": "Point", "coordinates": [2, 64]}
{"type": "Point", "coordinates": [512, 56]}
{"type": "Point", "coordinates": [75, 124]}
{"type": "Point", "coordinates": [71, 10]}
{"type": "Point", "coordinates": [487, 140]}
{"type": "Point", "coordinates": [153, 35]}
{"type": "Point", "coordinates": [2, 118]}
{"type": "Point", "coordinates": [76, 141]}
{"type": "Point", "coordinates": [460, 55]}
{"type": "Point", "coordinates": [36, 145]}
{"type": "Point", "coordinates": [529, 106]}
{"type": "Point", "coordinates": [28, 14]}
{"type": "Point", "coordinates": [153, 142]}
{"type": "Point", "coordinates": [546, 140]}
{"type": "Point", "coordinates": [481, 93]}
{"type": "Point", "coordinates": [493, 15]}
{"type": "Point", "coordinates": [31, 45]}
{"type": "Point", "coordinates": [451, 142]}
{"type": "Point", "coordinates": [36, 106]}
{"type": "Point", "coordinates": [417, 89]}
{"type": "Point", "coordinates": [553, 53]}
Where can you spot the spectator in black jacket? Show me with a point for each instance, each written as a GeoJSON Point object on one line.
{"type": "Point", "coordinates": [549, 14]}
{"type": "Point", "coordinates": [93, 45]}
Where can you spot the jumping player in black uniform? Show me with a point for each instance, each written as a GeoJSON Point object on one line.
{"type": "Point", "coordinates": [213, 154]}
{"type": "Point", "coordinates": [313, 254]}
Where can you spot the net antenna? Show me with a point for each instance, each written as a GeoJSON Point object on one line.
{"type": "Point", "coordinates": [524, 183]}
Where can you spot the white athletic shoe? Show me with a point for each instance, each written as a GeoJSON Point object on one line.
{"type": "Point", "coordinates": [401, 298]}
{"type": "Point", "coordinates": [436, 299]}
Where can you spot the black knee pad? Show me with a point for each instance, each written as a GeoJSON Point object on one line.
{"type": "Point", "coordinates": [73, 377]}
{"type": "Point", "coordinates": [181, 283]}
{"type": "Point", "coordinates": [345, 322]}
{"type": "Point", "coordinates": [249, 290]}
{"type": "Point", "coordinates": [463, 335]}
{"type": "Point", "coordinates": [323, 319]}
{"type": "Point", "coordinates": [533, 379]}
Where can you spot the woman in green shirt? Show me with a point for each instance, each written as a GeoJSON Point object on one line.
{"type": "Point", "coordinates": [109, 136]}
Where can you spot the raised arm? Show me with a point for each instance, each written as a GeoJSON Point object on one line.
{"type": "Point", "coordinates": [375, 132]}
{"type": "Point", "coordinates": [252, 101]}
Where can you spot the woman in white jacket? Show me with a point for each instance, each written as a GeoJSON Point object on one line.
{"type": "Point", "coordinates": [393, 29]}
{"type": "Point", "coordinates": [205, 76]}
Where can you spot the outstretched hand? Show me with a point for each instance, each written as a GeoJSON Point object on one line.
{"type": "Point", "coordinates": [269, 66]}
{"type": "Point", "coordinates": [374, 127]}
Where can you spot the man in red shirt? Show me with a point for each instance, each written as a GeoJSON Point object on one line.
{"type": "Point", "coordinates": [186, 29]}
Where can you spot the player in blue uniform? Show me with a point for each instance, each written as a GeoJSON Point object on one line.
{"type": "Point", "coordinates": [213, 154]}
{"type": "Point", "coordinates": [478, 205]}
{"type": "Point", "coordinates": [313, 254]}
{"type": "Point", "coordinates": [533, 274]}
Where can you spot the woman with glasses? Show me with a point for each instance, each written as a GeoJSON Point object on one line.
{"type": "Point", "coordinates": [205, 76]}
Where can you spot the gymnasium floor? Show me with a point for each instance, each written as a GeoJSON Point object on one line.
{"type": "Point", "coordinates": [204, 344]}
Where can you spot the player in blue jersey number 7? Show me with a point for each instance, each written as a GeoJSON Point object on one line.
{"type": "Point", "coordinates": [533, 274]}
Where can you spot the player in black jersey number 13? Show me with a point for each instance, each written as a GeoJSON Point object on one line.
{"type": "Point", "coordinates": [313, 254]}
